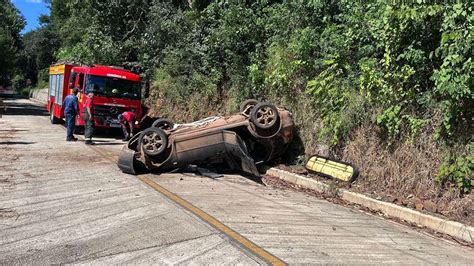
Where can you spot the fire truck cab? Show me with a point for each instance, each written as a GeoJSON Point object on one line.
{"type": "Point", "coordinates": [115, 91]}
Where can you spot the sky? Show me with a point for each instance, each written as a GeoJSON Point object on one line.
{"type": "Point", "coordinates": [31, 10]}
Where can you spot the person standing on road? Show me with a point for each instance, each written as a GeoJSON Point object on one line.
{"type": "Point", "coordinates": [71, 110]}
{"type": "Point", "coordinates": [88, 117]}
{"type": "Point", "coordinates": [127, 120]}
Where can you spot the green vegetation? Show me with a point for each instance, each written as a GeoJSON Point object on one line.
{"type": "Point", "coordinates": [458, 169]}
{"type": "Point", "coordinates": [405, 69]}
{"type": "Point", "coordinates": [11, 23]}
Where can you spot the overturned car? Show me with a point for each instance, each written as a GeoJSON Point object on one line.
{"type": "Point", "coordinates": [257, 134]}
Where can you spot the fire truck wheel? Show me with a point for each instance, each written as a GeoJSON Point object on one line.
{"type": "Point", "coordinates": [153, 141]}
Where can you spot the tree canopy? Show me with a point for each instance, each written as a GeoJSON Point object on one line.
{"type": "Point", "coordinates": [11, 23]}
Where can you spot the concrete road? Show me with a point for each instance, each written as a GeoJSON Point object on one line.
{"type": "Point", "coordinates": [64, 202]}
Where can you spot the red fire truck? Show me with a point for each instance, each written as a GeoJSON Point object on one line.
{"type": "Point", "coordinates": [115, 90]}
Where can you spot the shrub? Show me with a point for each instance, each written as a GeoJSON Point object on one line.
{"type": "Point", "coordinates": [458, 169]}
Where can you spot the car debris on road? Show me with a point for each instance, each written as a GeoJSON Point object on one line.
{"type": "Point", "coordinates": [257, 134]}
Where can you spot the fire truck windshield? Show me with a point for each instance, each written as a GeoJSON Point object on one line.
{"type": "Point", "coordinates": [113, 87]}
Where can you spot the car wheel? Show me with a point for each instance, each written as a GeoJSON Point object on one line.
{"type": "Point", "coordinates": [264, 115]}
{"type": "Point", "coordinates": [153, 141]}
{"type": "Point", "coordinates": [247, 106]}
{"type": "Point", "coordinates": [163, 123]}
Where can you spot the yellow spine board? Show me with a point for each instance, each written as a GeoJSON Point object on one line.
{"type": "Point", "coordinates": [327, 167]}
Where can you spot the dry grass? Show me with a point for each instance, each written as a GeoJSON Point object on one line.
{"type": "Point", "coordinates": [405, 174]}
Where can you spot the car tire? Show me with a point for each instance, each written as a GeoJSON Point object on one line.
{"type": "Point", "coordinates": [153, 141]}
{"type": "Point", "coordinates": [163, 123]}
{"type": "Point", "coordinates": [247, 106]}
{"type": "Point", "coordinates": [264, 116]}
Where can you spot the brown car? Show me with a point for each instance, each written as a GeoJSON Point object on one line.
{"type": "Point", "coordinates": [255, 135]}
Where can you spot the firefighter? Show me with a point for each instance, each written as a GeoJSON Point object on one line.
{"type": "Point", "coordinates": [88, 117]}
{"type": "Point", "coordinates": [71, 110]}
{"type": "Point", "coordinates": [127, 120]}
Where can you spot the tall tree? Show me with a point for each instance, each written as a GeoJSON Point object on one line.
{"type": "Point", "coordinates": [11, 23]}
{"type": "Point", "coordinates": [39, 46]}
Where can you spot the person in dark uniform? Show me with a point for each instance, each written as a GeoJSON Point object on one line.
{"type": "Point", "coordinates": [88, 117]}
{"type": "Point", "coordinates": [127, 120]}
{"type": "Point", "coordinates": [71, 110]}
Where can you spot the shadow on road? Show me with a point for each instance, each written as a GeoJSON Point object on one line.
{"type": "Point", "coordinates": [107, 143]}
{"type": "Point", "coordinates": [25, 109]}
{"type": "Point", "coordinates": [113, 133]}
{"type": "Point", "coordinates": [16, 143]}
{"type": "Point", "coordinates": [99, 140]}
{"type": "Point", "coordinates": [13, 130]}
